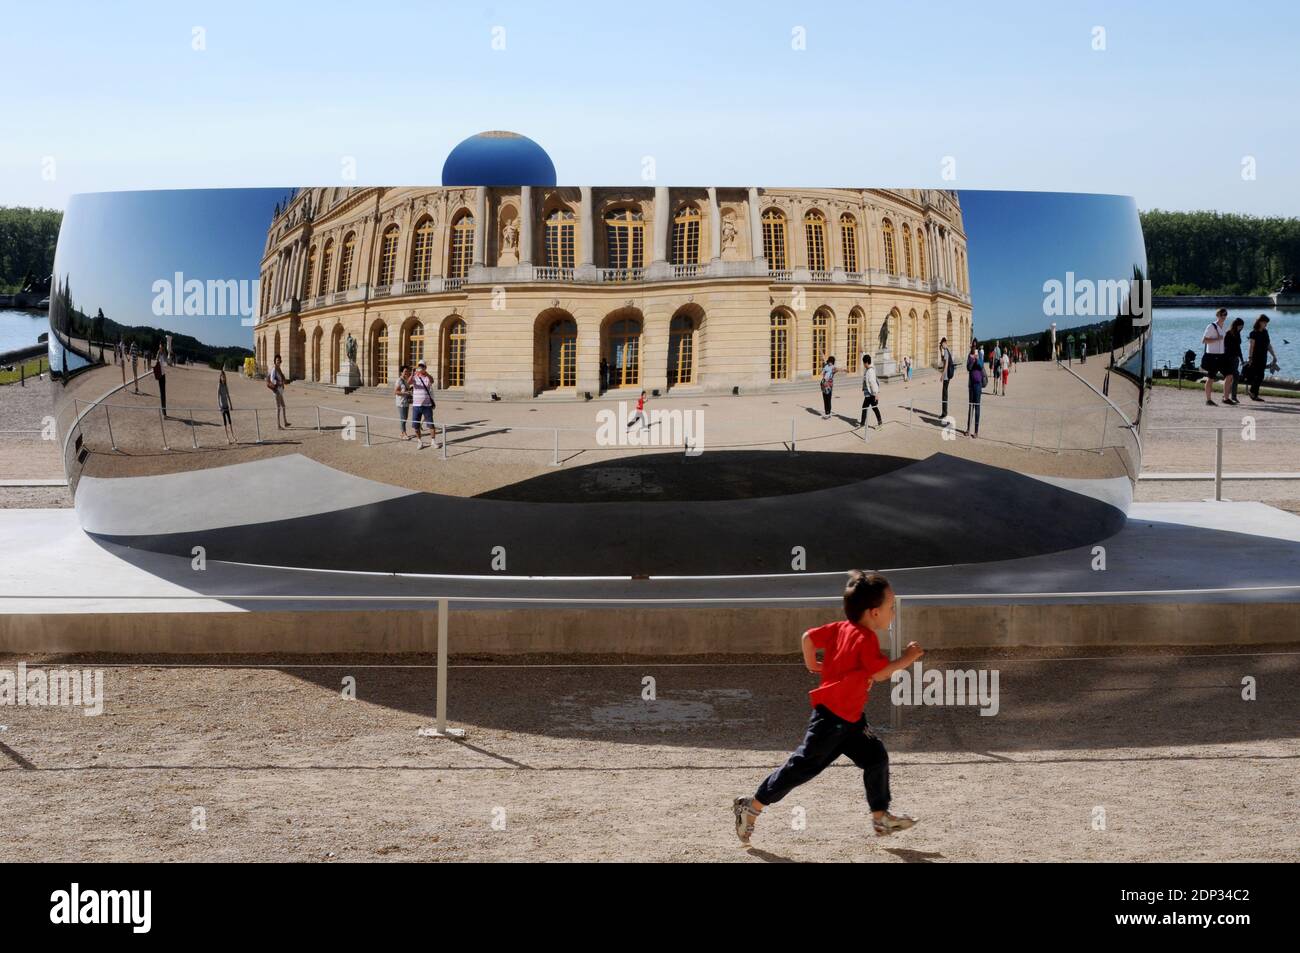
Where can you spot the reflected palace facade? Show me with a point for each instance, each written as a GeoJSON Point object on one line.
{"type": "Point", "coordinates": [526, 291]}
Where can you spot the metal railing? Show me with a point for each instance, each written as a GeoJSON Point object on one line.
{"type": "Point", "coordinates": [442, 605]}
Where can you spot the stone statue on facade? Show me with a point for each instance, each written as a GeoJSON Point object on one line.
{"type": "Point", "coordinates": [350, 348]}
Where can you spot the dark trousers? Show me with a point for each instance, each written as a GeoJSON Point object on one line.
{"type": "Point", "coordinates": [826, 400]}
{"type": "Point", "coordinates": [870, 400]}
{"type": "Point", "coordinates": [973, 411]}
{"type": "Point", "coordinates": [162, 394]}
{"type": "Point", "coordinates": [1254, 377]}
{"type": "Point", "coordinates": [944, 411]}
{"type": "Point", "coordinates": [829, 736]}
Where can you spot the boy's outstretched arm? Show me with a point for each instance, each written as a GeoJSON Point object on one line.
{"type": "Point", "coordinates": [910, 655]}
{"type": "Point", "coordinates": [810, 654]}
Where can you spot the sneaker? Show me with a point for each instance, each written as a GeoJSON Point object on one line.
{"type": "Point", "coordinates": [884, 826]}
{"type": "Point", "coordinates": [745, 815]}
{"type": "Point", "coordinates": [1210, 403]}
{"type": "Point", "coordinates": [1257, 399]}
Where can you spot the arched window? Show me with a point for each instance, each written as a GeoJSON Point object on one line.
{"type": "Point", "coordinates": [345, 266]}
{"type": "Point", "coordinates": [388, 256]}
{"type": "Point", "coordinates": [326, 260]}
{"type": "Point", "coordinates": [774, 239]}
{"type": "Point", "coordinates": [779, 349]}
{"type": "Point", "coordinates": [422, 252]}
{"type": "Point", "coordinates": [462, 246]}
{"type": "Point", "coordinates": [453, 350]}
{"type": "Point", "coordinates": [821, 339]}
{"type": "Point", "coordinates": [414, 343]}
{"type": "Point", "coordinates": [920, 253]}
{"type": "Point", "coordinates": [849, 241]}
{"type": "Point", "coordinates": [853, 354]}
{"type": "Point", "coordinates": [686, 236]}
{"type": "Point", "coordinates": [379, 355]}
{"type": "Point", "coordinates": [814, 232]}
{"type": "Point", "coordinates": [307, 284]}
{"type": "Point", "coordinates": [625, 238]}
{"type": "Point", "coordinates": [891, 259]}
{"type": "Point", "coordinates": [561, 229]}
{"type": "Point", "coordinates": [681, 350]}
{"type": "Point", "coordinates": [316, 338]}
{"type": "Point", "coordinates": [625, 352]}
{"type": "Point", "coordinates": [562, 354]}
{"type": "Point", "coordinates": [907, 250]}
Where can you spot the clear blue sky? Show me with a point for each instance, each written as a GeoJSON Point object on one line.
{"type": "Point", "coordinates": [714, 92]}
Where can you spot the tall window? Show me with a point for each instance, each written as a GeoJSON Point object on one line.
{"type": "Point", "coordinates": [891, 259]}
{"type": "Point", "coordinates": [849, 239]}
{"type": "Point", "coordinates": [853, 357]}
{"type": "Point", "coordinates": [379, 352]}
{"type": "Point", "coordinates": [388, 255]}
{"type": "Point", "coordinates": [686, 236]}
{"type": "Point", "coordinates": [625, 352]}
{"type": "Point", "coordinates": [907, 250]}
{"type": "Point", "coordinates": [821, 336]}
{"type": "Point", "coordinates": [325, 267]}
{"type": "Point", "coordinates": [681, 350]}
{"type": "Point", "coordinates": [625, 238]}
{"type": "Point", "coordinates": [561, 227]}
{"type": "Point", "coordinates": [920, 253]}
{"type": "Point", "coordinates": [453, 368]}
{"type": "Point", "coordinates": [345, 266]}
{"type": "Point", "coordinates": [562, 354]}
{"type": "Point", "coordinates": [779, 349]}
{"type": "Point", "coordinates": [774, 239]}
{"type": "Point", "coordinates": [415, 344]}
{"type": "Point", "coordinates": [422, 253]}
{"type": "Point", "coordinates": [462, 246]}
{"type": "Point", "coordinates": [814, 231]}
{"type": "Point", "coordinates": [307, 284]}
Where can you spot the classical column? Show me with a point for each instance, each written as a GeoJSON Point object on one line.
{"type": "Point", "coordinates": [480, 225]}
{"type": "Point", "coordinates": [661, 223]}
{"type": "Point", "coordinates": [755, 225]}
{"type": "Point", "coordinates": [586, 224]}
{"type": "Point", "coordinates": [715, 225]}
{"type": "Point", "coordinates": [526, 225]}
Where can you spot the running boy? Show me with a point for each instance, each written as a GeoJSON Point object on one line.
{"type": "Point", "coordinates": [639, 414]}
{"type": "Point", "coordinates": [851, 661]}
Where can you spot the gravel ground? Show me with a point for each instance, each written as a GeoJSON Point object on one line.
{"type": "Point", "coordinates": [571, 763]}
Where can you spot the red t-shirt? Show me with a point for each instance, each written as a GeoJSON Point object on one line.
{"type": "Point", "coordinates": [851, 655]}
{"type": "Point", "coordinates": [640, 403]}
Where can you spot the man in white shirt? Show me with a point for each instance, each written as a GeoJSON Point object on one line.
{"type": "Point", "coordinates": [1213, 362]}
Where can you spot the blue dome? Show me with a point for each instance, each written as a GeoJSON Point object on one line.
{"type": "Point", "coordinates": [498, 158]}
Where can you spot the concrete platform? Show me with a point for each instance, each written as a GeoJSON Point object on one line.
{"type": "Point", "coordinates": [1176, 574]}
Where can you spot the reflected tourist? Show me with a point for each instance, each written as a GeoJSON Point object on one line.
{"type": "Point", "coordinates": [402, 397]}
{"type": "Point", "coordinates": [160, 375]}
{"type": "Point", "coordinates": [947, 368]}
{"type": "Point", "coordinates": [277, 382]}
{"type": "Point", "coordinates": [829, 370]}
{"type": "Point", "coordinates": [422, 404]}
{"type": "Point", "coordinates": [870, 392]}
{"type": "Point", "coordinates": [224, 405]}
{"type": "Point", "coordinates": [975, 389]}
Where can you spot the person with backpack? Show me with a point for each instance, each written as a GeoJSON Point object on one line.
{"type": "Point", "coordinates": [975, 389]}
{"type": "Point", "coordinates": [402, 397]}
{"type": "Point", "coordinates": [829, 370]}
{"type": "Point", "coordinates": [870, 392]}
{"type": "Point", "coordinates": [422, 404]}
{"type": "Point", "coordinates": [948, 367]}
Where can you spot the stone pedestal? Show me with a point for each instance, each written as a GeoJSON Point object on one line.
{"type": "Point", "coordinates": [885, 365]}
{"type": "Point", "coordinates": [1289, 300]}
{"type": "Point", "coordinates": [349, 376]}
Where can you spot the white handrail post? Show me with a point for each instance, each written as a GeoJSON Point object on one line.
{"type": "Point", "coordinates": [109, 420]}
{"type": "Point", "coordinates": [444, 437]}
{"type": "Point", "coordinates": [1060, 429]}
{"type": "Point", "coordinates": [162, 428]}
{"type": "Point", "coordinates": [367, 417]}
{"type": "Point", "coordinates": [440, 729]}
{"type": "Point", "coordinates": [895, 651]}
{"type": "Point", "coordinates": [1218, 464]}
{"type": "Point", "coordinates": [1033, 430]}
{"type": "Point", "coordinates": [194, 434]}
{"type": "Point", "coordinates": [1105, 422]}
{"type": "Point", "coordinates": [792, 435]}
{"type": "Point", "coordinates": [257, 419]}
{"type": "Point", "coordinates": [318, 418]}
{"type": "Point", "coordinates": [555, 462]}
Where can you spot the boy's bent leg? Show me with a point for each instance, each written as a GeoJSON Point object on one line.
{"type": "Point", "coordinates": [868, 752]}
{"type": "Point", "coordinates": [822, 744]}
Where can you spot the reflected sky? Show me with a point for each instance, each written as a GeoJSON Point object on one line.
{"type": "Point", "coordinates": [1018, 240]}
{"type": "Point", "coordinates": [113, 246]}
